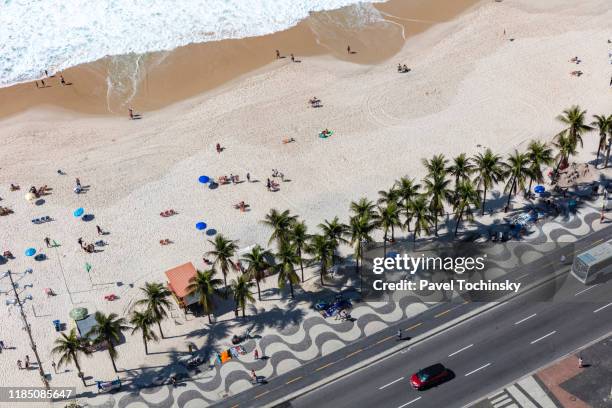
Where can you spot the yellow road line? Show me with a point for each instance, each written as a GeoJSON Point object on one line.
{"type": "Point", "coordinates": [443, 313]}
{"type": "Point", "coordinates": [235, 406]}
{"type": "Point", "coordinates": [414, 326]}
{"type": "Point", "coordinates": [385, 339]}
{"type": "Point", "coordinates": [353, 353]}
{"type": "Point", "coordinates": [262, 394]}
{"type": "Point", "coordinates": [295, 379]}
{"type": "Point", "coordinates": [325, 366]}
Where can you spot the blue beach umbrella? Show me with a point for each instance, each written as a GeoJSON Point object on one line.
{"type": "Point", "coordinates": [203, 179]}
{"type": "Point", "coordinates": [201, 226]}
{"type": "Point", "coordinates": [539, 189]}
{"type": "Point", "coordinates": [78, 212]}
{"type": "Point", "coordinates": [30, 252]}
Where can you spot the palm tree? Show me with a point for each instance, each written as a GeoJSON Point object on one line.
{"type": "Point", "coordinates": [609, 146]}
{"type": "Point", "coordinates": [287, 259]}
{"type": "Point", "coordinates": [603, 124]}
{"type": "Point", "coordinates": [108, 329]}
{"type": "Point", "coordinates": [224, 250]}
{"type": "Point", "coordinates": [257, 265]}
{"type": "Point", "coordinates": [489, 171]}
{"type": "Point", "coordinates": [574, 119]}
{"type": "Point", "coordinates": [322, 249]}
{"type": "Point", "coordinates": [335, 232]}
{"type": "Point", "coordinates": [68, 347]}
{"type": "Point", "coordinates": [387, 197]}
{"type": "Point", "coordinates": [407, 190]}
{"type": "Point", "coordinates": [363, 207]}
{"type": "Point", "coordinates": [436, 186]}
{"type": "Point", "coordinates": [280, 222]}
{"type": "Point", "coordinates": [566, 149]}
{"type": "Point", "coordinates": [360, 229]}
{"type": "Point", "coordinates": [204, 285]}
{"type": "Point", "coordinates": [539, 154]}
{"type": "Point", "coordinates": [436, 165]}
{"type": "Point", "coordinates": [467, 196]}
{"type": "Point", "coordinates": [299, 237]}
{"type": "Point", "coordinates": [388, 218]}
{"type": "Point", "coordinates": [517, 169]}
{"type": "Point", "coordinates": [461, 168]}
{"type": "Point", "coordinates": [241, 290]}
{"type": "Point", "coordinates": [142, 321]}
{"type": "Point", "coordinates": [422, 217]}
{"type": "Point", "coordinates": [157, 301]}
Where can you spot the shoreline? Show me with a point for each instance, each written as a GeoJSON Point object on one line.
{"type": "Point", "coordinates": [166, 77]}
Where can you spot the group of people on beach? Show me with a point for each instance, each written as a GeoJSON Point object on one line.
{"type": "Point", "coordinates": [402, 68]}
{"type": "Point", "coordinates": [43, 84]}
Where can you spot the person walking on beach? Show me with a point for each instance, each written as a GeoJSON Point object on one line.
{"type": "Point", "coordinates": [19, 365]}
{"type": "Point", "coordinates": [48, 242]}
{"type": "Point", "coordinates": [218, 148]}
{"type": "Point", "coordinates": [99, 229]}
{"type": "Point", "coordinates": [292, 58]}
{"type": "Point", "coordinates": [54, 366]}
{"type": "Point", "coordinates": [348, 49]}
{"type": "Point", "coordinates": [268, 184]}
{"type": "Point", "coordinates": [277, 54]}
{"type": "Point", "coordinates": [77, 182]}
{"type": "Point", "coordinates": [131, 113]}
{"type": "Point", "coordinates": [42, 81]}
{"type": "Point", "coordinates": [62, 80]}
{"type": "Point", "coordinates": [80, 241]}
{"type": "Point", "coordinates": [248, 177]}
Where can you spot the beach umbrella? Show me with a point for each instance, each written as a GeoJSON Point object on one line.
{"type": "Point", "coordinates": [78, 313]}
{"type": "Point", "coordinates": [539, 189]}
{"type": "Point", "coordinates": [201, 226]}
{"type": "Point", "coordinates": [204, 179]}
{"type": "Point", "coordinates": [30, 196]}
{"type": "Point", "coordinates": [78, 212]}
{"type": "Point", "coordinates": [30, 252]}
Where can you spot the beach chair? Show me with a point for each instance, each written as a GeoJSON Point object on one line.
{"type": "Point", "coordinates": [58, 325]}
{"type": "Point", "coordinates": [46, 218]}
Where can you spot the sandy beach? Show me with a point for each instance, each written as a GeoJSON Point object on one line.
{"type": "Point", "coordinates": [496, 76]}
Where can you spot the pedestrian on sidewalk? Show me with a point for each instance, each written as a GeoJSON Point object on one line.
{"type": "Point", "coordinates": [580, 362]}
{"type": "Point", "coordinates": [254, 376]}
{"type": "Point", "coordinates": [399, 334]}
{"type": "Point", "coordinates": [256, 354]}
{"type": "Point", "coordinates": [54, 366]}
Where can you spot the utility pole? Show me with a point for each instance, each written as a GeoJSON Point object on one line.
{"type": "Point", "coordinates": [27, 327]}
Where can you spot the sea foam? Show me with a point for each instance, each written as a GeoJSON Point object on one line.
{"type": "Point", "coordinates": [52, 35]}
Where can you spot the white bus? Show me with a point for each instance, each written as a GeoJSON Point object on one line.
{"type": "Point", "coordinates": [593, 262]}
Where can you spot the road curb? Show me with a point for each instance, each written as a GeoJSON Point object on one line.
{"type": "Point", "coordinates": [403, 345]}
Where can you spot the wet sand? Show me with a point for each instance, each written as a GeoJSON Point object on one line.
{"type": "Point", "coordinates": [106, 86]}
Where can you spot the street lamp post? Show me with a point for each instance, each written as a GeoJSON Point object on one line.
{"type": "Point", "coordinates": [29, 331]}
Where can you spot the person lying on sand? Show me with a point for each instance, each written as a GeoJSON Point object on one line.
{"type": "Point", "coordinates": [14, 187]}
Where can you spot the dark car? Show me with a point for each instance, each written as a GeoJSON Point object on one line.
{"type": "Point", "coordinates": [430, 376]}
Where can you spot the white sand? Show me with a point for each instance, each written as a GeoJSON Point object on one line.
{"type": "Point", "coordinates": [469, 85]}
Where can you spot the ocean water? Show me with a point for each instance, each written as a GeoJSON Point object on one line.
{"type": "Point", "coordinates": [52, 35]}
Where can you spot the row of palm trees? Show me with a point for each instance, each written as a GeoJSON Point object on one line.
{"type": "Point", "coordinates": [462, 184]}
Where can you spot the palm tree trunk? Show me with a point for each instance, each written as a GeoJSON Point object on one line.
{"type": "Point", "coordinates": [597, 157]}
{"type": "Point", "coordinates": [146, 345]}
{"type": "Point", "coordinates": [436, 221]}
{"type": "Point", "coordinates": [301, 264]}
{"type": "Point", "coordinates": [243, 312]}
{"type": "Point", "coordinates": [225, 280]}
{"type": "Point", "coordinates": [208, 314]}
{"type": "Point", "coordinates": [484, 198]}
{"type": "Point", "coordinates": [458, 222]}
{"type": "Point", "coordinates": [530, 182]}
{"type": "Point", "coordinates": [392, 233]}
{"type": "Point", "coordinates": [110, 354]}
{"type": "Point", "coordinates": [608, 154]}
{"type": "Point", "coordinates": [161, 333]}
{"type": "Point", "coordinates": [291, 289]}
{"type": "Point", "coordinates": [258, 290]}
{"type": "Point", "coordinates": [385, 246]}
{"type": "Point", "coordinates": [78, 367]}
{"type": "Point", "coordinates": [323, 269]}
{"type": "Point", "coordinates": [510, 196]}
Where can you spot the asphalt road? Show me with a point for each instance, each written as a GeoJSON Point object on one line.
{"type": "Point", "coordinates": [485, 352]}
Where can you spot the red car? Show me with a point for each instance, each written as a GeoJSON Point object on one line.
{"type": "Point", "coordinates": [430, 376]}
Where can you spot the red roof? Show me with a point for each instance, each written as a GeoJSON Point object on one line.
{"type": "Point", "coordinates": [180, 277]}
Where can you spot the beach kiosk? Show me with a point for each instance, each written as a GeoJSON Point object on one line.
{"type": "Point", "coordinates": [179, 279]}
